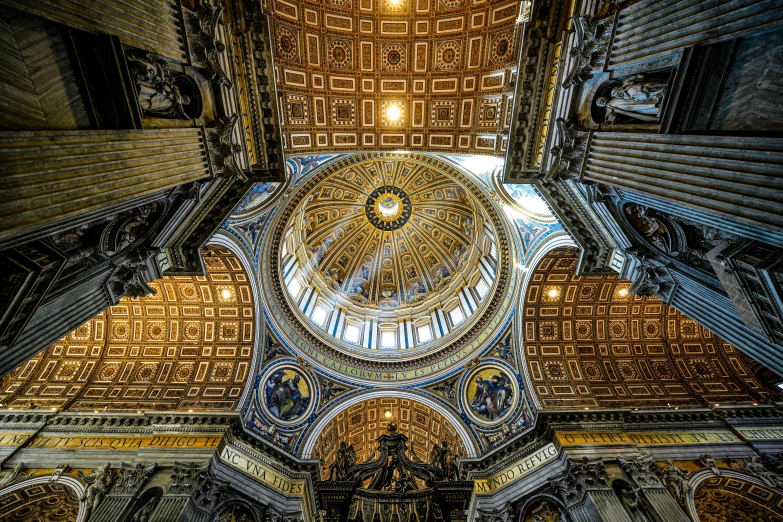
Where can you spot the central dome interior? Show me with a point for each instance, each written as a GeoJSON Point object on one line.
{"type": "Point", "coordinates": [388, 254]}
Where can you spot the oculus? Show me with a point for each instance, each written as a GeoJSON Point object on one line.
{"type": "Point", "coordinates": [388, 208]}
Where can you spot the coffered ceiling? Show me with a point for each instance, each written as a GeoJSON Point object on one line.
{"type": "Point", "coordinates": [393, 74]}
{"type": "Point", "coordinates": [188, 346]}
{"type": "Point", "coordinates": [589, 342]}
{"type": "Point", "coordinates": [361, 424]}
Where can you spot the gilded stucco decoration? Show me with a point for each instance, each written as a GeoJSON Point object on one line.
{"type": "Point", "coordinates": [447, 68]}
{"type": "Point", "coordinates": [392, 286]}
{"type": "Point", "coordinates": [361, 424]}
{"type": "Point", "coordinates": [188, 346]}
{"type": "Point", "coordinates": [589, 342]}
{"type": "Point", "coordinates": [49, 502]}
{"type": "Point", "coordinates": [729, 498]}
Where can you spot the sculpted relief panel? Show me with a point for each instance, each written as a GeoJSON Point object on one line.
{"type": "Point", "coordinates": [589, 342]}
{"type": "Point", "coordinates": [188, 346]}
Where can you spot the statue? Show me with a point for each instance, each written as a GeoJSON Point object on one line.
{"type": "Point", "coordinates": [143, 515]}
{"type": "Point", "coordinates": [157, 90]}
{"type": "Point", "coordinates": [754, 467]}
{"type": "Point", "coordinates": [344, 461]}
{"type": "Point", "coordinates": [631, 501]}
{"type": "Point", "coordinates": [12, 475]}
{"type": "Point", "coordinates": [404, 483]}
{"type": "Point", "coordinates": [636, 98]}
{"type": "Point", "coordinates": [98, 483]}
{"type": "Point", "coordinates": [676, 479]}
{"type": "Point", "coordinates": [443, 459]}
{"type": "Point", "coordinates": [708, 462]}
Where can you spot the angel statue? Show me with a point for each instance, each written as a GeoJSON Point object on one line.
{"type": "Point", "coordinates": [98, 483]}
{"type": "Point", "coordinates": [753, 466]}
{"type": "Point", "coordinates": [442, 458]}
{"type": "Point", "coordinates": [636, 98]}
{"type": "Point", "coordinates": [11, 475]}
{"type": "Point", "coordinates": [158, 93]}
{"type": "Point", "coordinates": [675, 478]}
{"type": "Point", "coordinates": [343, 462]}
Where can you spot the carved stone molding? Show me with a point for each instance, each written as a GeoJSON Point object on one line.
{"type": "Point", "coordinates": [569, 155]}
{"type": "Point", "coordinates": [580, 477]}
{"type": "Point", "coordinates": [208, 491]}
{"type": "Point", "coordinates": [504, 514]}
{"type": "Point", "coordinates": [223, 148]}
{"type": "Point", "coordinates": [641, 470]}
{"type": "Point", "coordinates": [592, 44]}
{"type": "Point", "coordinates": [590, 472]}
{"type": "Point", "coordinates": [651, 278]}
{"type": "Point", "coordinates": [205, 46]}
{"type": "Point", "coordinates": [132, 478]}
{"type": "Point", "coordinates": [753, 466]}
{"type": "Point", "coordinates": [130, 279]}
{"type": "Point", "coordinates": [12, 475]}
{"type": "Point", "coordinates": [185, 477]}
{"type": "Point", "coordinates": [569, 488]}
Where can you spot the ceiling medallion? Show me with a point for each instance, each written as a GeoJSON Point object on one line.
{"type": "Point", "coordinates": [388, 208]}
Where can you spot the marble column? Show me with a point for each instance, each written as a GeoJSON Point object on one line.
{"type": "Point", "coordinates": [641, 471]}
{"type": "Point", "coordinates": [124, 493]}
{"type": "Point", "coordinates": [585, 490]}
{"type": "Point", "coordinates": [737, 178]}
{"type": "Point", "coordinates": [183, 479]}
{"type": "Point", "coordinates": [56, 180]}
{"type": "Point", "coordinates": [655, 28]}
{"type": "Point", "coordinates": [60, 314]}
{"type": "Point", "coordinates": [705, 303]}
{"type": "Point", "coordinates": [152, 25]}
{"type": "Point", "coordinates": [204, 497]}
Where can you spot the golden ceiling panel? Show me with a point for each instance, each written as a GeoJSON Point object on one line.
{"type": "Point", "coordinates": [362, 424]}
{"type": "Point", "coordinates": [389, 74]}
{"type": "Point", "coordinates": [387, 234]}
{"type": "Point", "coordinates": [729, 498]}
{"type": "Point", "coordinates": [189, 346]}
{"type": "Point", "coordinates": [590, 343]}
{"type": "Point", "coordinates": [52, 502]}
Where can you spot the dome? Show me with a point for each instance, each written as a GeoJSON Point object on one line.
{"type": "Point", "coordinates": [389, 235]}
{"type": "Point", "coordinates": [384, 257]}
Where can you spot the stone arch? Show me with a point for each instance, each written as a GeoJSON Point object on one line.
{"type": "Point", "coordinates": [739, 496]}
{"type": "Point", "coordinates": [222, 239]}
{"type": "Point", "coordinates": [555, 241]}
{"type": "Point", "coordinates": [43, 500]}
{"type": "Point", "coordinates": [314, 435]}
{"type": "Point", "coordinates": [188, 347]}
{"type": "Point", "coordinates": [590, 343]}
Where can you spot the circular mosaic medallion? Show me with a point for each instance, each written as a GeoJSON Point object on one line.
{"type": "Point", "coordinates": [285, 394]}
{"type": "Point", "coordinates": [490, 394]}
{"type": "Point", "coordinates": [388, 208]}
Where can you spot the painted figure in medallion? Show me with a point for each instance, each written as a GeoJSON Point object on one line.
{"type": "Point", "coordinates": [493, 395]}
{"type": "Point", "coordinates": [286, 394]}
